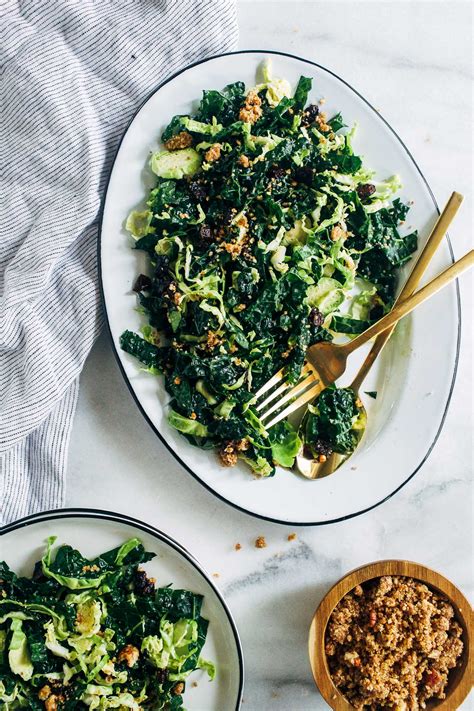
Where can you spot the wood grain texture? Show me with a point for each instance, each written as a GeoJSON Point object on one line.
{"type": "Point", "coordinates": [460, 678]}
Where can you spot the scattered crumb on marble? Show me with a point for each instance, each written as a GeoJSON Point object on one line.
{"type": "Point", "coordinates": [194, 683]}
{"type": "Point", "coordinates": [237, 546]}
{"type": "Point", "coordinates": [353, 468]}
{"type": "Point", "coordinates": [292, 536]}
{"type": "Point", "coordinates": [216, 575]}
{"type": "Point", "coordinates": [322, 101]}
{"type": "Point", "coordinates": [260, 542]}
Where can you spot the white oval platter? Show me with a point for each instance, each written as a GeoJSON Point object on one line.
{"type": "Point", "coordinates": [415, 374]}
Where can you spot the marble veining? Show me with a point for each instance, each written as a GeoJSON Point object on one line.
{"type": "Point", "coordinates": [412, 61]}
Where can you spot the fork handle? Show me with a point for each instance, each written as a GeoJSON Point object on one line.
{"type": "Point", "coordinates": [405, 307]}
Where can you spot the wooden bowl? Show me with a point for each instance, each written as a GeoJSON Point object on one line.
{"type": "Point", "coordinates": [460, 678]}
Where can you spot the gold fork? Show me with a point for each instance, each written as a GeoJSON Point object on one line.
{"type": "Point", "coordinates": [326, 362]}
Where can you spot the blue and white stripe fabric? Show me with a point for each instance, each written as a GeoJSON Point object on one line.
{"type": "Point", "coordinates": [74, 72]}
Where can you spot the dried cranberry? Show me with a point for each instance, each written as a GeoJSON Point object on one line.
{"type": "Point", "coordinates": [142, 584]}
{"type": "Point", "coordinates": [197, 190]}
{"type": "Point", "coordinates": [304, 174]}
{"type": "Point", "coordinates": [38, 575]}
{"type": "Point", "coordinates": [205, 233]}
{"type": "Point", "coordinates": [321, 447]}
{"type": "Point", "coordinates": [142, 283]}
{"type": "Point", "coordinates": [276, 173]}
{"type": "Point", "coordinates": [278, 181]}
{"type": "Point", "coordinates": [309, 114]}
{"type": "Point", "coordinates": [432, 677]}
{"type": "Point", "coordinates": [170, 291]}
{"type": "Point", "coordinates": [316, 318]}
{"type": "Point", "coordinates": [365, 191]}
{"type": "Point", "coordinates": [162, 676]}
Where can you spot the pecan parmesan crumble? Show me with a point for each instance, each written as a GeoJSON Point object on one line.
{"type": "Point", "coordinates": [390, 644]}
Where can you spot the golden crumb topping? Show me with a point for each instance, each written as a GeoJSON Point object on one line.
{"type": "Point", "coordinates": [213, 153]}
{"type": "Point", "coordinates": [391, 642]}
{"type": "Point", "coordinates": [181, 140]}
{"type": "Point", "coordinates": [252, 108]}
{"type": "Point", "coordinates": [128, 654]}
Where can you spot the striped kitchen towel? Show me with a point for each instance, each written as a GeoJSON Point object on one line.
{"type": "Point", "coordinates": [74, 72]}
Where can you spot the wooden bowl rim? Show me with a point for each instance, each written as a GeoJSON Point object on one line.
{"type": "Point", "coordinates": [464, 613]}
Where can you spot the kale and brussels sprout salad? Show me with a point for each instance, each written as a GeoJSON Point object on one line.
{"type": "Point", "coordinates": [265, 233]}
{"type": "Point", "coordinates": [96, 634]}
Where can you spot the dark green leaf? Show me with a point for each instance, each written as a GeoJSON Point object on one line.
{"type": "Point", "coordinates": [337, 122]}
{"type": "Point", "coordinates": [174, 127]}
{"type": "Point", "coordinates": [345, 163]}
{"type": "Point", "coordinates": [147, 353]}
{"type": "Point", "coordinates": [301, 94]}
{"type": "Point", "coordinates": [333, 422]}
{"type": "Point", "coordinates": [344, 324]}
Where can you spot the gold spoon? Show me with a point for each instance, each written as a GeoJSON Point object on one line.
{"type": "Point", "coordinates": [316, 469]}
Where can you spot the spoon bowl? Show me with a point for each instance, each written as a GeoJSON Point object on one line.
{"type": "Point", "coordinates": [323, 466]}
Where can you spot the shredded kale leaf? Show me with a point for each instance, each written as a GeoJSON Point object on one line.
{"type": "Point", "coordinates": [222, 105]}
{"type": "Point", "coordinates": [97, 633]}
{"type": "Point", "coordinates": [330, 424]}
{"type": "Point", "coordinates": [277, 237]}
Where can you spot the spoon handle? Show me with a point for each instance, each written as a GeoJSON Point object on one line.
{"type": "Point", "coordinates": [412, 302]}
{"type": "Point", "coordinates": [432, 244]}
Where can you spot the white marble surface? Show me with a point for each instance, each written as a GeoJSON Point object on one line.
{"type": "Point", "coordinates": [412, 61]}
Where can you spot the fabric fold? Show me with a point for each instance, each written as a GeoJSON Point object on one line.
{"type": "Point", "coordinates": [74, 74]}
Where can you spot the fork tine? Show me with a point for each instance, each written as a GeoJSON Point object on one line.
{"type": "Point", "coordinates": [292, 392]}
{"type": "Point", "coordinates": [273, 395]}
{"type": "Point", "coordinates": [302, 400]}
{"type": "Point", "coordinates": [285, 386]}
{"type": "Point", "coordinates": [276, 379]}
{"type": "Point", "coordinates": [269, 384]}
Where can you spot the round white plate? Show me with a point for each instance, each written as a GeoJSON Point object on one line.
{"type": "Point", "coordinates": [93, 532]}
{"type": "Point", "coordinates": [415, 374]}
